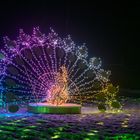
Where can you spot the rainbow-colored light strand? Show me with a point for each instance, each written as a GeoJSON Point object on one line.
{"type": "Point", "coordinates": [28, 68]}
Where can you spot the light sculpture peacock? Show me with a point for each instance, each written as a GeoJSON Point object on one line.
{"type": "Point", "coordinates": [40, 68]}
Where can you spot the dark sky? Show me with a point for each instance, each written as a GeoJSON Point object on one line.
{"type": "Point", "coordinates": [110, 30]}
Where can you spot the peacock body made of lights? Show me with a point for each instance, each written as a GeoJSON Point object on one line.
{"type": "Point", "coordinates": [40, 68]}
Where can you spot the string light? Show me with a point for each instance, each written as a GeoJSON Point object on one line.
{"type": "Point", "coordinates": [41, 66]}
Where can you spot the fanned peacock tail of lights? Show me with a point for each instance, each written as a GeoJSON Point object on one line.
{"type": "Point", "coordinates": [38, 68]}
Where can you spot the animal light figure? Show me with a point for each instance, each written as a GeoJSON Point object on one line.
{"type": "Point", "coordinates": [58, 93]}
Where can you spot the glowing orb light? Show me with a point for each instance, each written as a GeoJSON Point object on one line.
{"type": "Point", "coordinates": [46, 72]}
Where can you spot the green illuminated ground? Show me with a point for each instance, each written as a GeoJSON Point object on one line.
{"type": "Point", "coordinates": [91, 126]}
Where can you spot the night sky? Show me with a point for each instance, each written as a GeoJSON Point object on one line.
{"type": "Point", "coordinates": [110, 30]}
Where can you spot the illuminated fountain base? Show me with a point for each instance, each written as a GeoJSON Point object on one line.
{"type": "Point", "coordinates": [46, 108]}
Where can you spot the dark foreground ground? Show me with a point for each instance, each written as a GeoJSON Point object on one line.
{"type": "Point", "coordinates": [90, 125]}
